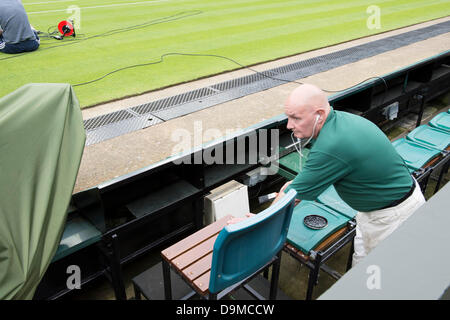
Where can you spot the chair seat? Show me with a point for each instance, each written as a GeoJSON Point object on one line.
{"type": "Point", "coordinates": [331, 199]}
{"type": "Point", "coordinates": [292, 160]}
{"type": "Point", "coordinates": [306, 239]}
{"type": "Point", "coordinates": [192, 256]}
{"type": "Point", "coordinates": [321, 246]}
{"type": "Point", "coordinates": [430, 137]}
{"type": "Point", "coordinates": [441, 121]}
{"type": "Point", "coordinates": [415, 155]}
{"type": "Point", "coordinates": [78, 233]}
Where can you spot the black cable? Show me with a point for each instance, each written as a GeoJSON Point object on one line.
{"type": "Point", "coordinates": [177, 16]}
{"type": "Point", "coordinates": [222, 57]}
{"type": "Point", "coordinates": [174, 17]}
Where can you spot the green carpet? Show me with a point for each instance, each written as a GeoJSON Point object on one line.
{"type": "Point", "coordinates": [115, 34]}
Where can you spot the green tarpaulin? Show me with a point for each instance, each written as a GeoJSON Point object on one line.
{"type": "Point", "coordinates": [41, 143]}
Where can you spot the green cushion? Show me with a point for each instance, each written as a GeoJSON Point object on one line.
{"type": "Point", "coordinates": [429, 137]}
{"type": "Point", "coordinates": [331, 199]}
{"type": "Point", "coordinates": [415, 155]}
{"type": "Point", "coordinates": [441, 121]}
{"type": "Point", "coordinates": [305, 239]}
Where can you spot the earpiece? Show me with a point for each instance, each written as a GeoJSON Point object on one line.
{"type": "Point", "coordinates": [299, 150]}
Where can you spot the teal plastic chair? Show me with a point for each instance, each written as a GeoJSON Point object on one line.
{"type": "Point", "coordinates": [441, 122]}
{"type": "Point", "coordinates": [244, 249]}
{"type": "Point", "coordinates": [331, 199]}
{"type": "Point", "coordinates": [430, 137]}
{"type": "Point", "coordinates": [415, 155]}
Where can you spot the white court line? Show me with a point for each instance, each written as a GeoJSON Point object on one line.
{"type": "Point", "coordinates": [103, 6]}
{"type": "Point", "coordinates": [29, 4]}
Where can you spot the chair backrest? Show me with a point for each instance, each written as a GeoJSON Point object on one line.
{"type": "Point", "coordinates": [331, 199]}
{"type": "Point", "coordinates": [243, 248]}
{"type": "Point", "coordinates": [430, 137]}
{"type": "Point", "coordinates": [441, 121]}
{"type": "Point", "coordinates": [415, 155]}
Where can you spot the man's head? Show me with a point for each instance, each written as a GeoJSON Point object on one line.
{"type": "Point", "coordinates": [307, 107]}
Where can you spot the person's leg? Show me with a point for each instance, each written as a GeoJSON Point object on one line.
{"type": "Point", "coordinates": [358, 247]}
{"type": "Point", "coordinates": [375, 226]}
{"type": "Point", "coordinates": [2, 44]}
{"type": "Point", "coordinates": [13, 48]}
{"type": "Point", "coordinates": [24, 46]}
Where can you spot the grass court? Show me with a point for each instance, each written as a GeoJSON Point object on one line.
{"type": "Point", "coordinates": [123, 41]}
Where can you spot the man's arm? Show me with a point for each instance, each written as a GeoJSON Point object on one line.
{"type": "Point", "coordinates": [320, 171]}
{"type": "Point", "coordinates": [281, 192]}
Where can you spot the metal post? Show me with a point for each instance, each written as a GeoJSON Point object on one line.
{"type": "Point", "coordinates": [212, 296]}
{"type": "Point", "coordinates": [275, 276]}
{"type": "Point", "coordinates": [167, 282]}
{"type": "Point", "coordinates": [422, 104]}
{"type": "Point", "coordinates": [115, 269]}
{"type": "Point", "coordinates": [137, 292]}
{"type": "Point", "coordinates": [266, 273]}
{"type": "Point", "coordinates": [313, 275]}
{"type": "Point", "coordinates": [350, 255]}
{"type": "Point", "coordinates": [444, 170]}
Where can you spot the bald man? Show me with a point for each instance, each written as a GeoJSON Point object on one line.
{"type": "Point", "coordinates": [354, 155]}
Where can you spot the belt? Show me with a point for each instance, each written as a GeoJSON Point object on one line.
{"type": "Point", "coordinates": [406, 196]}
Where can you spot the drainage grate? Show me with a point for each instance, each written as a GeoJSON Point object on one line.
{"type": "Point", "coordinates": [173, 101]}
{"type": "Point", "coordinates": [298, 65]}
{"type": "Point", "coordinates": [135, 118]}
{"type": "Point", "coordinates": [119, 128]}
{"type": "Point", "coordinates": [243, 81]}
{"type": "Point", "coordinates": [106, 119]}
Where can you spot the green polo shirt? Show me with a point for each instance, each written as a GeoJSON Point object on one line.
{"type": "Point", "coordinates": [355, 156]}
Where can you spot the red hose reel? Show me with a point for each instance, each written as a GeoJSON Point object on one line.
{"type": "Point", "coordinates": [66, 28]}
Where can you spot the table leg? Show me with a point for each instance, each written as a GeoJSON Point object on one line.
{"type": "Point", "coordinates": [167, 282]}
{"type": "Point", "coordinates": [275, 277]}
{"type": "Point", "coordinates": [137, 292]}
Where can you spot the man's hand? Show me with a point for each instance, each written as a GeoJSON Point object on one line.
{"type": "Point", "coordinates": [236, 220]}
{"type": "Point", "coordinates": [281, 193]}
{"type": "Point", "coordinates": [285, 186]}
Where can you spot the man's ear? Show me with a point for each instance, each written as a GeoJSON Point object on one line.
{"type": "Point", "coordinates": [320, 115]}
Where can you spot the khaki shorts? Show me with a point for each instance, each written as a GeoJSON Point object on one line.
{"type": "Point", "coordinates": [375, 226]}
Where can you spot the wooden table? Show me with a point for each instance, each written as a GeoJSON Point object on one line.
{"type": "Point", "coordinates": [192, 257]}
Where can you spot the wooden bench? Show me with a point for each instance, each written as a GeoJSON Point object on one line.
{"type": "Point", "coordinates": [191, 258]}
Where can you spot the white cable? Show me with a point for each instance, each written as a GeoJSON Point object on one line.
{"type": "Point", "coordinates": [299, 142]}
